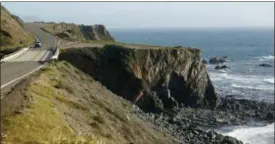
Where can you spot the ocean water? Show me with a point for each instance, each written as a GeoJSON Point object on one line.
{"type": "Point", "coordinates": [245, 49]}
{"type": "Point", "coordinates": [261, 134]}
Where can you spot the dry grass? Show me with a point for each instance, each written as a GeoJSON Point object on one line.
{"type": "Point", "coordinates": [13, 35]}
{"type": "Point", "coordinates": [102, 43]}
{"type": "Point", "coordinates": [68, 106]}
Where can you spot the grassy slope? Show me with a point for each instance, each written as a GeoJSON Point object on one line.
{"type": "Point", "coordinates": [102, 43]}
{"type": "Point", "coordinates": [72, 32]}
{"type": "Point", "coordinates": [67, 105]}
{"type": "Point", "coordinates": [13, 35]}
{"type": "Point", "coordinates": [57, 29]}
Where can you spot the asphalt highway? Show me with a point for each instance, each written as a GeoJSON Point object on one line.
{"type": "Point", "coordinates": [21, 66]}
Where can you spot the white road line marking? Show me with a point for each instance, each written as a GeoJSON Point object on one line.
{"type": "Point", "coordinates": [4, 85]}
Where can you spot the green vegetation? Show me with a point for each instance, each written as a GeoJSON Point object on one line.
{"type": "Point", "coordinates": [13, 34]}
{"type": "Point", "coordinates": [41, 122]}
{"type": "Point", "coordinates": [73, 32]}
{"type": "Point", "coordinates": [67, 106]}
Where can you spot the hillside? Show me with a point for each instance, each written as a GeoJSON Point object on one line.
{"type": "Point", "coordinates": [80, 33]}
{"type": "Point", "coordinates": [62, 104]}
{"type": "Point", "coordinates": [13, 35]}
{"type": "Point", "coordinates": [124, 95]}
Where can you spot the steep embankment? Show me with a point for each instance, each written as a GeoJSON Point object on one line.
{"type": "Point", "coordinates": [61, 104]}
{"type": "Point", "coordinates": [13, 34]}
{"type": "Point", "coordinates": [73, 32]}
{"type": "Point", "coordinates": [155, 79]}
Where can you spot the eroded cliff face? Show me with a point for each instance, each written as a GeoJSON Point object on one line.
{"type": "Point", "coordinates": [154, 79]}
{"type": "Point", "coordinates": [73, 32]}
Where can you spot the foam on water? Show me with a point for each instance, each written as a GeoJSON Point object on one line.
{"type": "Point", "coordinates": [269, 88]}
{"type": "Point", "coordinates": [253, 87]}
{"type": "Point", "coordinates": [269, 80]}
{"type": "Point", "coordinates": [217, 76]}
{"type": "Point", "coordinates": [247, 79]}
{"type": "Point", "coordinates": [269, 57]}
{"type": "Point", "coordinates": [253, 135]}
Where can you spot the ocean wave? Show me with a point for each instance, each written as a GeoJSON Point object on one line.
{"type": "Point", "coordinates": [217, 76]}
{"type": "Point", "coordinates": [234, 77]}
{"type": "Point", "coordinates": [252, 87]}
{"type": "Point", "coordinates": [254, 135]}
{"type": "Point", "coordinates": [269, 57]}
{"type": "Point", "coordinates": [245, 79]}
{"type": "Point", "coordinates": [269, 80]}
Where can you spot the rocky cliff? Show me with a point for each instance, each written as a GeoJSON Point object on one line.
{"type": "Point", "coordinates": [73, 32]}
{"type": "Point", "coordinates": [154, 79]}
{"type": "Point", "coordinates": [13, 34]}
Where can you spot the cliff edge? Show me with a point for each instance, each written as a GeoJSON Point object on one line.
{"type": "Point", "coordinates": [155, 79]}
{"type": "Point", "coordinates": [73, 32]}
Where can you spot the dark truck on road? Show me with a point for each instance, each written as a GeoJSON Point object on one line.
{"type": "Point", "coordinates": [37, 44]}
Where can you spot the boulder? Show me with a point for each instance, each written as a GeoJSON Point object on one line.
{"type": "Point", "coordinates": [230, 140]}
{"type": "Point", "coordinates": [217, 60]}
{"type": "Point", "coordinates": [1, 55]}
{"type": "Point", "coordinates": [221, 67]}
{"type": "Point", "coordinates": [265, 65]}
{"type": "Point", "coordinates": [270, 116]}
{"type": "Point", "coordinates": [204, 61]}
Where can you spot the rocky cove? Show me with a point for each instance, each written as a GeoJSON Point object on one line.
{"type": "Point", "coordinates": [170, 88]}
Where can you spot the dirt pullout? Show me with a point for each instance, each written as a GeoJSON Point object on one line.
{"type": "Point", "coordinates": [61, 104]}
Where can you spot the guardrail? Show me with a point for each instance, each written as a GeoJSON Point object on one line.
{"type": "Point", "coordinates": [56, 51]}
{"type": "Point", "coordinates": [15, 54]}
{"type": "Point", "coordinates": [56, 54]}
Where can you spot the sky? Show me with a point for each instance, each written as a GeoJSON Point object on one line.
{"type": "Point", "coordinates": [149, 14]}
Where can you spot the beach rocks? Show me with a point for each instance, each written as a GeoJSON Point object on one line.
{"type": "Point", "coordinates": [204, 61]}
{"type": "Point", "coordinates": [221, 67]}
{"type": "Point", "coordinates": [217, 60]}
{"type": "Point", "coordinates": [191, 125]}
{"type": "Point", "coordinates": [1, 55]}
{"type": "Point", "coordinates": [230, 140]}
{"type": "Point", "coordinates": [270, 116]}
{"type": "Point", "coordinates": [265, 65]}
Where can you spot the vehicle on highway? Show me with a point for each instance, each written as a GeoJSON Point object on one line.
{"type": "Point", "coordinates": [37, 44]}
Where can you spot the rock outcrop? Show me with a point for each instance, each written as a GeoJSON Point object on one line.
{"type": "Point", "coordinates": [204, 61]}
{"type": "Point", "coordinates": [217, 60]}
{"type": "Point", "coordinates": [73, 32]}
{"type": "Point", "coordinates": [154, 79]}
{"type": "Point", "coordinates": [218, 67]}
{"type": "Point", "coordinates": [265, 65]}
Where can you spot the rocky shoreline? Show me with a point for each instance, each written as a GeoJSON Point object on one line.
{"type": "Point", "coordinates": [169, 88]}
{"type": "Point", "coordinates": [195, 125]}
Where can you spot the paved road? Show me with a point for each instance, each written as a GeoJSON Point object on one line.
{"type": "Point", "coordinates": [15, 69]}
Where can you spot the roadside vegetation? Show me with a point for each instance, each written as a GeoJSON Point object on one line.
{"type": "Point", "coordinates": [64, 105]}
{"type": "Point", "coordinates": [13, 35]}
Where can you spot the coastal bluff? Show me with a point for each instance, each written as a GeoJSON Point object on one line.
{"type": "Point", "coordinates": [155, 79]}
{"type": "Point", "coordinates": [74, 32]}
